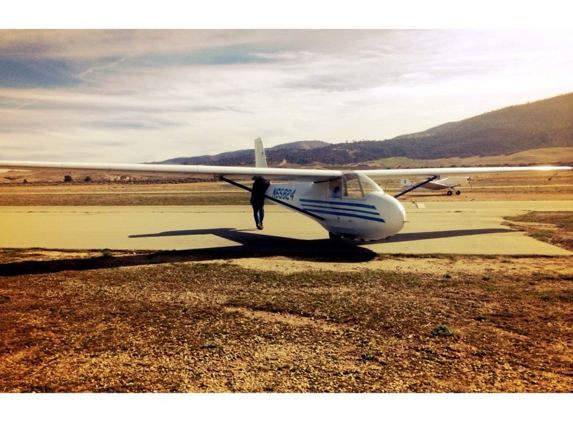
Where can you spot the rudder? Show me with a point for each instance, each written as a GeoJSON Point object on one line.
{"type": "Point", "coordinates": [260, 157]}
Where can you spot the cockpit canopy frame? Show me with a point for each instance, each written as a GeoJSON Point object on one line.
{"type": "Point", "coordinates": [353, 185]}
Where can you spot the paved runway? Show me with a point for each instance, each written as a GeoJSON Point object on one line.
{"type": "Point", "coordinates": [433, 227]}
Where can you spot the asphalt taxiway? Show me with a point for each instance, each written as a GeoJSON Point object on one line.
{"type": "Point", "coordinates": [435, 227]}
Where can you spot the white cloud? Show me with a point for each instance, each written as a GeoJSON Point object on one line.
{"type": "Point", "coordinates": [152, 95]}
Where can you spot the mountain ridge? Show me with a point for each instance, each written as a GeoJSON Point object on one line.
{"type": "Point", "coordinates": [231, 155]}
{"type": "Point", "coordinates": [546, 123]}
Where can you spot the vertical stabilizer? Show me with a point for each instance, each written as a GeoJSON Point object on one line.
{"type": "Point", "coordinates": [260, 157]}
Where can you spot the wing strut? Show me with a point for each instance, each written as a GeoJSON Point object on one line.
{"type": "Point", "coordinates": [232, 182]}
{"type": "Point", "coordinates": [417, 186]}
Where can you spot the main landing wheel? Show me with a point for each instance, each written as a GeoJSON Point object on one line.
{"type": "Point", "coordinates": [458, 192]}
{"type": "Point", "coordinates": [449, 193]}
{"type": "Point", "coordinates": [334, 237]}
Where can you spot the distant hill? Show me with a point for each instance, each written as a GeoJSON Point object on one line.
{"type": "Point", "coordinates": [541, 124]}
{"type": "Point", "coordinates": [246, 156]}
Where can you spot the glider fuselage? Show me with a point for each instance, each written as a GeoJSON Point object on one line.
{"type": "Point", "coordinates": [350, 206]}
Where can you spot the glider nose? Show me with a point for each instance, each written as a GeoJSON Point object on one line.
{"type": "Point", "coordinates": [394, 215]}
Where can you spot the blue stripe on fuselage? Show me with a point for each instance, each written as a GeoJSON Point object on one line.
{"type": "Point", "coordinates": [343, 214]}
{"type": "Point", "coordinates": [340, 207]}
{"type": "Point", "coordinates": [337, 203]}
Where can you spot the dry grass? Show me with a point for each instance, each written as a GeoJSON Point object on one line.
{"type": "Point", "coordinates": [551, 227]}
{"type": "Point", "coordinates": [222, 328]}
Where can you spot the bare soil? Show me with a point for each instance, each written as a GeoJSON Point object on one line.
{"type": "Point", "coordinates": [278, 324]}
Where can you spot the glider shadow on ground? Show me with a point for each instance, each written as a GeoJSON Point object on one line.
{"type": "Point", "coordinates": [251, 245]}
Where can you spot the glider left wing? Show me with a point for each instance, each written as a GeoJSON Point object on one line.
{"type": "Point", "coordinates": [213, 171]}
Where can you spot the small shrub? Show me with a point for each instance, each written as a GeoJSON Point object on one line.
{"type": "Point", "coordinates": [211, 344]}
{"type": "Point", "coordinates": [106, 253]}
{"type": "Point", "coordinates": [368, 356]}
{"type": "Point", "coordinates": [442, 331]}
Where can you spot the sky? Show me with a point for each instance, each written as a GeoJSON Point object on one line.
{"type": "Point", "coordinates": [140, 95]}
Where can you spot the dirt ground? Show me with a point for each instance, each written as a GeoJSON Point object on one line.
{"type": "Point", "coordinates": [392, 324]}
